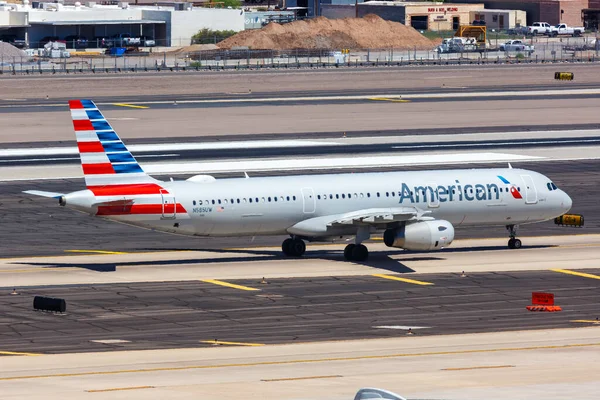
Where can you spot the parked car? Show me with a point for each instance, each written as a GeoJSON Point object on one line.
{"type": "Point", "coordinates": [123, 40]}
{"type": "Point", "coordinates": [76, 42]}
{"type": "Point", "coordinates": [99, 42]}
{"type": "Point", "coordinates": [516, 45]}
{"type": "Point", "coordinates": [564, 29]}
{"type": "Point", "coordinates": [538, 28]}
{"type": "Point", "coordinates": [518, 31]}
{"type": "Point", "coordinates": [12, 39]}
{"type": "Point", "coordinates": [147, 41]}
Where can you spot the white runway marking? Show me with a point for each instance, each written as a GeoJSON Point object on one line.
{"type": "Point", "coordinates": [162, 147]}
{"type": "Point", "coordinates": [401, 327]}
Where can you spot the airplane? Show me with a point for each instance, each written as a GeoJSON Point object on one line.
{"type": "Point", "coordinates": [415, 210]}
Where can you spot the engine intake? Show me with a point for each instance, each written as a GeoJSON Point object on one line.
{"type": "Point", "coordinates": [424, 235]}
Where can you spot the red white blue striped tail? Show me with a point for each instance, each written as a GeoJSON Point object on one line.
{"type": "Point", "coordinates": [106, 162]}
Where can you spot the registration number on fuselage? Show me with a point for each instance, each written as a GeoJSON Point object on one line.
{"type": "Point", "coordinates": [201, 210]}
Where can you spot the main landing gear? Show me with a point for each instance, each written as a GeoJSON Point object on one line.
{"type": "Point", "coordinates": [293, 247]}
{"type": "Point", "coordinates": [513, 242]}
{"type": "Point", "coordinates": [356, 252]}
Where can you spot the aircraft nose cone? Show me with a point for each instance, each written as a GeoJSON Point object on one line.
{"type": "Point", "coordinates": [566, 202]}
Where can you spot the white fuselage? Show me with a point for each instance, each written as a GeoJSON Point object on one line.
{"type": "Point", "coordinates": [277, 205]}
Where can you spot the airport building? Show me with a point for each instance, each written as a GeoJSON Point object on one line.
{"type": "Point", "coordinates": [419, 15]}
{"type": "Point", "coordinates": [168, 25]}
{"type": "Point", "coordinates": [550, 11]}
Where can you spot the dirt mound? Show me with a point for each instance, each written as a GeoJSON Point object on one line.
{"type": "Point", "coordinates": [370, 31]}
{"type": "Point", "coordinates": [8, 51]}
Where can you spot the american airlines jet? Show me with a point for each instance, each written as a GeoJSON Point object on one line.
{"type": "Point", "coordinates": [414, 210]}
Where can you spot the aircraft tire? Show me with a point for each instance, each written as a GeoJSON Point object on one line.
{"type": "Point", "coordinates": [286, 247]}
{"type": "Point", "coordinates": [360, 253]}
{"type": "Point", "coordinates": [514, 243]}
{"type": "Point", "coordinates": [348, 252]}
{"type": "Point", "coordinates": [297, 248]}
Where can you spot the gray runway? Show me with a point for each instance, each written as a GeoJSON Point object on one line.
{"type": "Point", "coordinates": [37, 226]}
{"type": "Point", "coordinates": [294, 97]}
{"type": "Point", "coordinates": [182, 314]}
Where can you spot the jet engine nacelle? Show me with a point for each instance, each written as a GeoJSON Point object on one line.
{"type": "Point", "coordinates": [424, 235]}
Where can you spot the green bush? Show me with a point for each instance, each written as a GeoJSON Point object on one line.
{"type": "Point", "coordinates": [229, 3]}
{"type": "Point", "coordinates": [207, 36]}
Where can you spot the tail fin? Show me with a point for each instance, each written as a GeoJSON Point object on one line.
{"type": "Point", "coordinates": [105, 160]}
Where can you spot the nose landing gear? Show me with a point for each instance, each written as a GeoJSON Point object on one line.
{"type": "Point", "coordinates": [513, 242]}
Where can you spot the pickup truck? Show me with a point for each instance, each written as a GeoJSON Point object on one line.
{"type": "Point", "coordinates": [516, 45]}
{"type": "Point", "coordinates": [538, 28]}
{"type": "Point", "coordinates": [564, 29]}
{"type": "Point", "coordinates": [123, 40]}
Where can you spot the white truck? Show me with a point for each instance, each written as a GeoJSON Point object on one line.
{"type": "Point", "coordinates": [538, 28]}
{"type": "Point", "coordinates": [564, 29]}
{"type": "Point", "coordinates": [516, 45]}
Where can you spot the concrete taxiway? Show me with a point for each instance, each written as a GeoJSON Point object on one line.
{"type": "Point", "coordinates": [549, 364]}
{"type": "Point", "coordinates": [376, 304]}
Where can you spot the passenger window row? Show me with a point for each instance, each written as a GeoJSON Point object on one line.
{"type": "Point", "coordinates": [245, 200]}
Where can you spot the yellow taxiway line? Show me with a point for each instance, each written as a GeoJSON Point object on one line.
{"type": "Point", "coordinates": [118, 389]}
{"type": "Point", "coordinates": [582, 274]}
{"type": "Point", "coordinates": [18, 353]}
{"type": "Point", "coordinates": [227, 284]}
{"type": "Point", "coordinates": [406, 280]}
{"type": "Point", "coordinates": [479, 367]}
{"type": "Point", "coordinates": [586, 321]}
{"type": "Point", "coordinates": [96, 251]}
{"type": "Point", "coordinates": [231, 343]}
{"type": "Point", "coordinates": [390, 99]}
{"type": "Point", "coordinates": [303, 361]}
{"type": "Point", "coordinates": [128, 105]}
{"type": "Point", "coordinates": [301, 378]}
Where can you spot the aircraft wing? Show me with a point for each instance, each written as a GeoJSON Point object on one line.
{"type": "Point", "coordinates": [41, 193]}
{"type": "Point", "coordinates": [375, 216]}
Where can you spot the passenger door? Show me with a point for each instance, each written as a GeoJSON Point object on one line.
{"type": "Point", "coordinates": [433, 200]}
{"type": "Point", "coordinates": [308, 201]}
{"type": "Point", "coordinates": [168, 204]}
{"type": "Point", "coordinates": [530, 190]}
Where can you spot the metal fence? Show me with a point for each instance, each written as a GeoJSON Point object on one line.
{"type": "Point", "coordinates": [545, 51]}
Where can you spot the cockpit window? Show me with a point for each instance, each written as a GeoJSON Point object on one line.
{"type": "Point", "coordinates": [553, 186]}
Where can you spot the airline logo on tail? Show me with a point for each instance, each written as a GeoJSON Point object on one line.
{"type": "Point", "coordinates": [513, 189]}
{"type": "Point", "coordinates": [110, 170]}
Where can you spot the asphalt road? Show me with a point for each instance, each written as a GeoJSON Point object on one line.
{"type": "Point", "coordinates": [295, 97]}
{"type": "Point", "coordinates": [38, 226]}
{"type": "Point", "coordinates": [182, 314]}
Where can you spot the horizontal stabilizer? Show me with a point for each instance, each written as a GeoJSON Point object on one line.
{"type": "Point", "coordinates": [41, 193]}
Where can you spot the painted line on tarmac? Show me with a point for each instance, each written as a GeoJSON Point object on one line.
{"type": "Point", "coordinates": [586, 321]}
{"type": "Point", "coordinates": [128, 105]}
{"type": "Point", "coordinates": [582, 274]}
{"type": "Point", "coordinates": [390, 99]}
{"type": "Point", "coordinates": [164, 147]}
{"type": "Point", "coordinates": [513, 93]}
{"type": "Point", "coordinates": [405, 280]}
{"type": "Point", "coordinates": [479, 367]}
{"type": "Point", "coordinates": [95, 252]}
{"type": "Point", "coordinates": [304, 361]}
{"type": "Point", "coordinates": [118, 389]}
{"type": "Point", "coordinates": [19, 353]}
{"type": "Point", "coordinates": [301, 378]}
{"type": "Point", "coordinates": [224, 343]}
{"type": "Point", "coordinates": [229, 285]}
